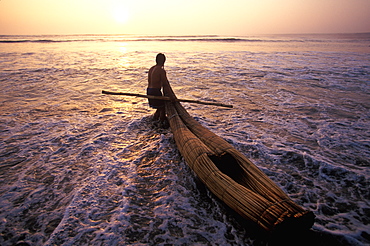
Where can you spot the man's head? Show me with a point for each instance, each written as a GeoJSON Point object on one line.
{"type": "Point", "coordinates": [160, 59]}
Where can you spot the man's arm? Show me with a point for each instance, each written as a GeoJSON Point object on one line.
{"type": "Point", "coordinates": [167, 90]}
{"type": "Point", "coordinates": [150, 77]}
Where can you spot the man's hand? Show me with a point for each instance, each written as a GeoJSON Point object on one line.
{"type": "Point", "coordinates": [173, 98]}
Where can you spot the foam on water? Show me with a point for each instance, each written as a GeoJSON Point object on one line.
{"type": "Point", "coordinates": [78, 167]}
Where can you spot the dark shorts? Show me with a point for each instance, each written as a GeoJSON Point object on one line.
{"type": "Point", "coordinates": [153, 102]}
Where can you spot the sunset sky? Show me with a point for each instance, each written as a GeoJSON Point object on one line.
{"type": "Point", "coordinates": [183, 17]}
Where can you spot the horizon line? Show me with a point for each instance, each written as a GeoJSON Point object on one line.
{"type": "Point", "coordinates": [186, 35]}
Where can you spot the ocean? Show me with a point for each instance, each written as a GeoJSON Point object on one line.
{"type": "Point", "coordinates": [81, 168]}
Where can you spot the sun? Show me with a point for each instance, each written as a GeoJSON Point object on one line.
{"type": "Point", "coordinates": [120, 14]}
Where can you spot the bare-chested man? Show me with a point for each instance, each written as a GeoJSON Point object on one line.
{"type": "Point", "coordinates": [157, 79]}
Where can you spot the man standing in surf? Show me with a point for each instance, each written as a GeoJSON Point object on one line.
{"type": "Point", "coordinates": [157, 79]}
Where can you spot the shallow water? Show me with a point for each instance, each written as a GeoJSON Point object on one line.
{"type": "Point", "coordinates": [78, 167]}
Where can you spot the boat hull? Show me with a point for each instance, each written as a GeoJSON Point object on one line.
{"type": "Point", "coordinates": [232, 177]}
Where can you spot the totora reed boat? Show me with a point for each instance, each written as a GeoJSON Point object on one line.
{"type": "Point", "coordinates": [233, 178]}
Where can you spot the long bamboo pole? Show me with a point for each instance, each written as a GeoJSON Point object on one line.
{"type": "Point", "coordinates": [165, 98]}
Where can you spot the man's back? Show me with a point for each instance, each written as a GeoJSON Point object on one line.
{"type": "Point", "coordinates": [156, 77]}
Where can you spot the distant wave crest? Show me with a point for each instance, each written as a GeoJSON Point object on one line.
{"type": "Point", "coordinates": [195, 38]}
{"type": "Point", "coordinates": [38, 41]}
{"type": "Point", "coordinates": [129, 39]}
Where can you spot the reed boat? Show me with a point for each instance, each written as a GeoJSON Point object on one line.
{"type": "Point", "coordinates": [233, 178]}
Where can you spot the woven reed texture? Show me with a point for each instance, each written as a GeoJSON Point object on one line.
{"type": "Point", "coordinates": [232, 177]}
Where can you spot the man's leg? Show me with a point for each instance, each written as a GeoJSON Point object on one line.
{"type": "Point", "coordinates": [157, 115]}
{"type": "Point", "coordinates": [163, 114]}
{"type": "Point", "coordinates": [164, 121]}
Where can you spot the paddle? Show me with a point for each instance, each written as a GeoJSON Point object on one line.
{"type": "Point", "coordinates": [166, 98]}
